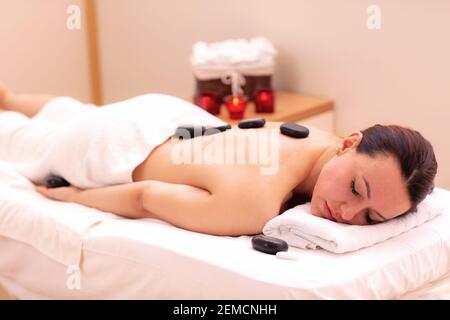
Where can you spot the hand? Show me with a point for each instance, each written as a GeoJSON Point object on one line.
{"type": "Point", "coordinates": [66, 194]}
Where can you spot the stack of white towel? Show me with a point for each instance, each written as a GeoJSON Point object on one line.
{"type": "Point", "coordinates": [299, 228]}
{"type": "Point", "coordinates": [249, 57]}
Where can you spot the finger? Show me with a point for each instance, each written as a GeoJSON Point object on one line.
{"type": "Point", "coordinates": [41, 189]}
{"type": "Point", "coordinates": [47, 192]}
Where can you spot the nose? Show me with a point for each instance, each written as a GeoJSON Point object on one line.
{"type": "Point", "coordinates": [352, 209]}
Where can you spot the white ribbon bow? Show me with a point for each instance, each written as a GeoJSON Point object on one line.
{"type": "Point", "coordinates": [236, 80]}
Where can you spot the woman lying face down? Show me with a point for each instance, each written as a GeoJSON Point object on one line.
{"type": "Point", "coordinates": [367, 177]}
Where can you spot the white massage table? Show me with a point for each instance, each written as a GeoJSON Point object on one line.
{"type": "Point", "coordinates": [150, 259]}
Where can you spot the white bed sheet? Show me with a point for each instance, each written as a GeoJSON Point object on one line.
{"type": "Point", "coordinates": [149, 259]}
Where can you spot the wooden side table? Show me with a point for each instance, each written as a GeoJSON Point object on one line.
{"type": "Point", "coordinates": [292, 107]}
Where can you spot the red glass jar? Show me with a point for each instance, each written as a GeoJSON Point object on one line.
{"type": "Point", "coordinates": [265, 101]}
{"type": "Point", "coordinates": [209, 102]}
{"type": "Point", "coordinates": [236, 106]}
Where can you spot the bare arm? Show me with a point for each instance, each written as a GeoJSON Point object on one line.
{"type": "Point", "coordinates": [124, 199]}
{"type": "Point", "coordinates": [198, 210]}
{"type": "Point", "coordinates": [183, 206]}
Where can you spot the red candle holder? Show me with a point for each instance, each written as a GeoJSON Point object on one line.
{"type": "Point", "coordinates": [236, 106]}
{"type": "Point", "coordinates": [209, 102]}
{"type": "Point", "coordinates": [265, 101]}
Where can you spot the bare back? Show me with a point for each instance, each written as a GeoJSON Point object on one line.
{"type": "Point", "coordinates": [242, 183]}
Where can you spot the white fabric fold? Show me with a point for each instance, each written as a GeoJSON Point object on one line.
{"type": "Point", "coordinates": [93, 147]}
{"type": "Point", "coordinates": [55, 228]}
{"type": "Point", "coordinates": [299, 228]}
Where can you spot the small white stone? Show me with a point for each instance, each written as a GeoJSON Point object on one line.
{"type": "Point", "coordinates": [287, 255]}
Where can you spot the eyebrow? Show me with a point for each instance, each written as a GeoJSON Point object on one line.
{"type": "Point", "coordinates": [369, 195]}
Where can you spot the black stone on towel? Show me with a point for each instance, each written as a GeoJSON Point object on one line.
{"type": "Point", "coordinates": [268, 244]}
{"type": "Point", "coordinates": [54, 181]}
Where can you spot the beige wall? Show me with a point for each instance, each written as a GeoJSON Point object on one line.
{"type": "Point", "coordinates": [399, 74]}
{"type": "Point", "coordinates": [38, 54]}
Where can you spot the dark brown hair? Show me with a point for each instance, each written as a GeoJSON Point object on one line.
{"type": "Point", "coordinates": [414, 153]}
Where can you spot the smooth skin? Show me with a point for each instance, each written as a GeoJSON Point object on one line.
{"type": "Point", "coordinates": [236, 199]}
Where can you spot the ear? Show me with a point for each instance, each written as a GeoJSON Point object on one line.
{"type": "Point", "coordinates": [351, 141]}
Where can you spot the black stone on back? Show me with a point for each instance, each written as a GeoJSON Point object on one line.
{"type": "Point", "coordinates": [252, 123]}
{"type": "Point", "coordinates": [294, 130]}
{"type": "Point", "coordinates": [189, 132]}
{"type": "Point", "coordinates": [214, 130]}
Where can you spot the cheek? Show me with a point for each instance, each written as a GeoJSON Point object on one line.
{"type": "Point", "coordinates": [333, 183]}
{"type": "Point", "coordinates": [323, 189]}
{"type": "Point", "coordinates": [330, 177]}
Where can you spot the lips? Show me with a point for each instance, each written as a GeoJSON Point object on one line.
{"type": "Point", "coordinates": [328, 212]}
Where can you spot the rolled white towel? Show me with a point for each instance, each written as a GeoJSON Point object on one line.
{"type": "Point", "coordinates": [299, 228]}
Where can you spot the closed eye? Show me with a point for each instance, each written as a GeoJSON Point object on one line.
{"type": "Point", "coordinates": [367, 213]}
{"type": "Point", "coordinates": [352, 187]}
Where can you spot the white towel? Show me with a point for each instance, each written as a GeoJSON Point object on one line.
{"type": "Point", "coordinates": [55, 228]}
{"type": "Point", "coordinates": [299, 228]}
{"type": "Point", "coordinates": [254, 57]}
{"type": "Point", "coordinates": [93, 147]}
{"type": "Point", "coordinates": [90, 147]}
